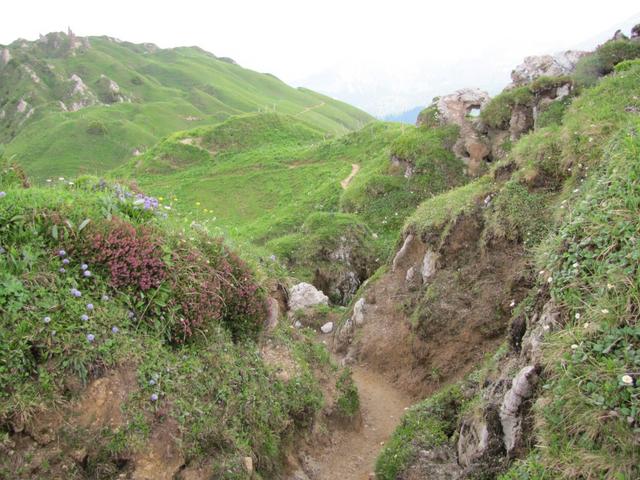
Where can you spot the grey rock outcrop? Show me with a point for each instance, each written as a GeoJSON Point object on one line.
{"type": "Point", "coordinates": [455, 109]}
{"type": "Point", "coordinates": [402, 253]}
{"type": "Point", "coordinates": [327, 327]}
{"type": "Point", "coordinates": [358, 312]}
{"type": "Point", "coordinates": [304, 295]}
{"type": "Point", "coordinates": [429, 265]}
{"type": "Point", "coordinates": [536, 66]}
{"type": "Point", "coordinates": [81, 95]}
{"type": "Point", "coordinates": [522, 389]}
{"type": "Point", "coordinates": [5, 56]}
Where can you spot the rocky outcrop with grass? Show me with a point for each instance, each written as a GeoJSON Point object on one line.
{"type": "Point", "coordinates": [526, 268]}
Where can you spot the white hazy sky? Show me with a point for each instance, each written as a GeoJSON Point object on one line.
{"type": "Point", "coordinates": [382, 56]}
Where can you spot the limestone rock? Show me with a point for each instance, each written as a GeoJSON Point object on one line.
{"type": "Point", "coordinates": [304, 295]}
{"type": "Point", "coordinates": [536, 66]}
{"type": "Point", "coordinates": [22, 106]}
{"type": "Point", "coordinates": [327, 327]}
{"type": "Point", "coordinates": [429, 265]}
{"type": "Point", "coordinates": [358, 312]}
{"type": "Point", "coordinates": [455, 109]}
{"type": "Point", "coordinates": [81, 96]}
{"type": "Point", "coordinates": [248, 464]}
{"type": "Point", "coordinates": [402, 252]}
{"type": "Point", "coordinates": [548, 321]}
{"type": "Point", "coordinates": [510, 411]}
{"type": "Point", "coordinates": [273, 313]}
{"type": "Point", "coordinates": [5, 56]}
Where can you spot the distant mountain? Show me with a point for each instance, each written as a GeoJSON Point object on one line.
{"type": "Point", "coordinates": [70, 104]}
{"type": "Point", "coordinates": [409, 116]}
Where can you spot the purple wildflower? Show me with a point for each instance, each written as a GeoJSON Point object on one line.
{"type": "Point", "coordinates": [90, 306]}
{"type": "Point", "coordinates": [62, 253]}
{"type": "Point", "coordinates": [152, 382]}
{"type": "Point", "coordinates": [65, 261]}
{"type": "Point", "coordinates": [62, 270]}
{"type": "Point", "coordinates": [2, 194]}
{"type": "Point", "coordinates": [75, 292]}
{"type": "Point", "coordinates": [115, 329]}
{"type": "Point", "coordinates": [86, 273]}
{"type": "Point", "coordinates": [91, 337]}
{"type": "Point", "coordinates": [46, 319]}
{"type": "Point", "coordinates": [84, 266]}
{"type": "Point", "coordinates": [84, 317]}
{"type": "Point", "coordinates": [154, 397]}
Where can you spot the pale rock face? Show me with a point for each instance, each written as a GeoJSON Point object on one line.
{"type": "Point", "coordinates": [521, 389]}
{"type": "Point", "coordinates": [327, 327]}
{"type": "Point", "coordinates": [273, 313]}
{"type": "Point", "coordinates": [473, 440]}
{"type": "Point", "coordinates": [33, 75]}
{"type": "Point", "coordinates": [402, 252]}
{"type": "Point", "coordinates": [5, 56]}
{"type": "Point", "coordinates": [22, 106]}
{"type": "Point", "coordinates": [548, 321]}
{"type": "Point", "coordinates": [429, 265]}
{"type": "Point", "coordinates": [536, 66]}
{"type": "Point", "coordinates": [304, 295]}
{"type": "Point", "coordinates": [358, 312]}
{"type": "Point", "coordinates": [79, 86]}
{"type": "Point", "coordinates": [455, 109]}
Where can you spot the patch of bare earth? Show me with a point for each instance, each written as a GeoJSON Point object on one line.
{"type": "Point", "coordinates": [355, 168]}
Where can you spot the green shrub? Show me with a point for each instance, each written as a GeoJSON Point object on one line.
{"type": "Point", "coordinates": [497, 112]}
{"type": "Point", "coordinates": [348, 401]}
{"type": "Point", "coordinates": [603, 60]}
{"type": "Point", "coordinates": [97, 128]}
{"type": "Point", "coordinates": [426, 425]}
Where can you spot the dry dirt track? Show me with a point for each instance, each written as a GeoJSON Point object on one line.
{"type": "Point", "coordinates": [353, 453]}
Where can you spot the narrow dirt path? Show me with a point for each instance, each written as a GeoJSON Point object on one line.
{"type": "Point", "coordinates": [308, 109]}
{"type": "Point", "coordinates": [355, 168]}
{"type": "Point", "coordinates": [353, 453]}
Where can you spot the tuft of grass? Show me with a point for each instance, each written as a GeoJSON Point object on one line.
{"type": "Point", "coordinates": [426, 425]}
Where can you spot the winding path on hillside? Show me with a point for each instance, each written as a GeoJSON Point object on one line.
{"type": "Point", "coordinates": [355, 168]}
{"type": "Point", "coordinates": [308, 109]}
{"type": "Point", "coordinates": [353, 452]}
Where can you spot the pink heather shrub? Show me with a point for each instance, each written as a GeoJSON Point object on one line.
{"type": "Point", "coordinates": [211, 283]}
{"type": "Point", "coordinates": [132, 255]}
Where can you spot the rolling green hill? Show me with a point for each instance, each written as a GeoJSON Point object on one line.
{"type": "Point", "coordinates": [262, 179]}
{"type": "Point", "coordinates": [72, 105]}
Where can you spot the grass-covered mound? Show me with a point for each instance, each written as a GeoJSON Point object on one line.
{"type": "Point", "coordinates": [568, 196]}
{"type": "Point", "coordinates": [97, 288]}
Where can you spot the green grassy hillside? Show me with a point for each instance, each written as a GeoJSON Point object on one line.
{"type": "Point", "coordinates": [261, 178]}
{"type": "Point", "coordinates": [70, 105]}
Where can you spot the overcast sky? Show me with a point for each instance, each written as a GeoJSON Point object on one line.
{"type": "Point", "coordinates": [382, 56]}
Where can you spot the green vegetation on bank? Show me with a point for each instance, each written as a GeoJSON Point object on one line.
{"type": "Point", "coordinates": [95, 280]}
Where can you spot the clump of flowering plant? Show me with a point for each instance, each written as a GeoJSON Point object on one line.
{"type": "Point", "coordinates": [132, 255]}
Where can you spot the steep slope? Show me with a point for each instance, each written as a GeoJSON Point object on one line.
{"type": "Point", "coordinates": [71, 104]}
